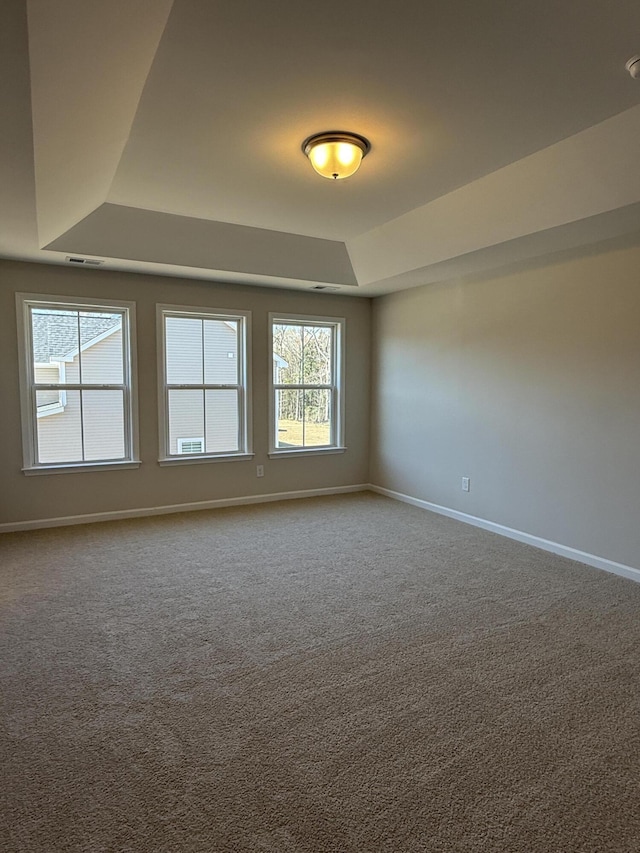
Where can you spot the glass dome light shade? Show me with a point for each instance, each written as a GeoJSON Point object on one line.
{"type": "Point", "coordinates": [336, 155]}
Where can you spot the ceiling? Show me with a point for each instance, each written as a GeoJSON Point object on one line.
{"type": "Point", "coordinates": [165, 135]}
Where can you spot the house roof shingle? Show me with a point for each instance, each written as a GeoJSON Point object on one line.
{"type": "Point", "coordinates": [55, 334]}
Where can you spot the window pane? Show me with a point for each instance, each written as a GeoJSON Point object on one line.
{"type": "Point", "coordinates": [103, 425]}
{"type": "Point", "coordinates": [317, 418]}
{"type": "Point", "coordinates": [317, 355]}
{"type": "Point", "coordinates": [47, 376]}
{"type": "Point", "coordinates": [186, 416]}
{"type": "Point", "coordinates": [302, 354]}
{"type": "Point", "coordinates": [183, 344]}
{"type": "Point", "coordinates": [303, 418]}
{"type": "Point", "coordinates": [74, 344]}
{"type": "Point", "coordinates": [221, 421]}
{"type": "Point", "coordinates": [46, 399]}
{"type": "Point", "coordinates": [221, 352]}
{"type": "Point", "coordinates": [289, 418]}
{"type": "Point", "coordinates": [54, 334]}
{"type": "Point", "coordinates": [59, 435]}
{"type": "Point", "coordinates": [287, 354]}
{"type": "Point", "coordinates": [101, 354]}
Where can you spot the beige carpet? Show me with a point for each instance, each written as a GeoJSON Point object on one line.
{"type": "Point", "coordinates": [339, 675]}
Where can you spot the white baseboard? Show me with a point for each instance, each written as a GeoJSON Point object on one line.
{"type": "Point", "coordinates": [500, 529]}
{"type": "Point", "coordinates": [90, 518]}
{"type": "Point", "coordinates": [528, 538]}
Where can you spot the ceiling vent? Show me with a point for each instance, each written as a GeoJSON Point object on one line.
{"type": "Point", "coordinates": [323, 287]}
{"type": "Point", "coordinates": [87, 262]}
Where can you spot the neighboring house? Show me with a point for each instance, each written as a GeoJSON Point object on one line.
{"type": "Point", "coordinates": [279, 364]}
{"type": "Point", "coordinates": [202, 421]}
{"type": "Point", "coordinates": [67, 419]}
{"type": "Point", "coordinates": [194, 417]}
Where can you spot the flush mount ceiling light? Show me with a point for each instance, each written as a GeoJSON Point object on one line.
{"type": "Point", "coordinates": [633, 67]}
{"type": "Point", "coordinates": [335, 154]}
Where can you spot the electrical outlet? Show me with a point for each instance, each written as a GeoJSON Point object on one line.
{"type": "Point", "coordinates": [259, 470]}
{"type": "Point", "coordinates": [465, 484]}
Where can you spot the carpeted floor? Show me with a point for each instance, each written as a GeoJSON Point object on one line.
{"type": "Point", "coordinates": [343, 675]}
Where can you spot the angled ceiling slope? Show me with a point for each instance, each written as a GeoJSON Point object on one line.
{"type": "Point", "coordinates": [148, 236]}
{"type": "Point", "coordinates": [89, 63]}
{"type": "Point", "coordinates": [166, 136]}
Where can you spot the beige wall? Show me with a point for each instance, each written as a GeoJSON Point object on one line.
{"type": "Point", "coordinates": [45, 496]}
{"type": "Point", "coordinates": [529, 384]}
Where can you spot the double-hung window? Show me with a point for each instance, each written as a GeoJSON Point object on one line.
{"type": "Point", "coordinates": [77, 373]}
{"type": "Point", "coordinates": [307, 384]}
{"type": "Point", "coordinates": [204, 384]}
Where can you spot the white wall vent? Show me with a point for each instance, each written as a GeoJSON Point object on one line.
{"type": "Point", "coordinates": [87, 262]}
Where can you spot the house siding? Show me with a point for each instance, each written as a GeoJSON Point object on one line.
{"type": "Point", "coordinates": [98, 416]}
{"type": "Point", "coordinates": [195, 413]}
{"type": "Point", "coordinates": [47, 375]}
{"type": "Point", "coordinates": [95, 418]}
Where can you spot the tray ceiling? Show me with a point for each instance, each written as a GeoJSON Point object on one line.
{"type": "Point", "coordinates": [165, 136]}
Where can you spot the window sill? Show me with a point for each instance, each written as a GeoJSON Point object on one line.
{"type": "Point", "coordinates": [196, 460]}
{"type": "Point", "coordinates": [81, 468]}
{"type": "Point", "coordinates": [56, 409]}
{"type": "Point", "coordinates": [305, 451]}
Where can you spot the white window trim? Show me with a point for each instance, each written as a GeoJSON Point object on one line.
{"type": "Point", "coordinates": [245, 426]}
{"type": "Point", "coordinates": [26, 377]}
{"type": "Point", "coordinates": [338, 381]}
{"type": "Point", "coordinates": [80, 468]}
{"type": "Point", "coordinates": [27, 382]}
{"type": "Point", "coordinates": [191, 459]}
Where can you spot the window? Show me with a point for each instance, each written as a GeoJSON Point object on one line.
{"type": "Point", "coordinates": [204, 377]}
{"type": "Point", "coordinates": [76, 372]}
{"type": "Point", "coordinates": [306, 384]}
